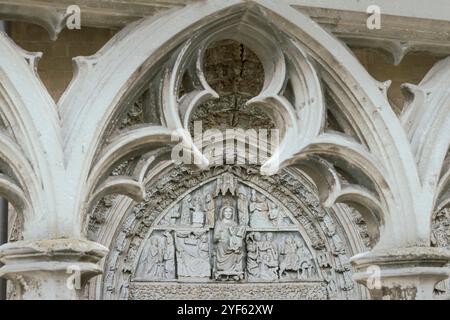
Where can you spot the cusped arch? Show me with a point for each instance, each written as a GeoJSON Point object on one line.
{"type": "Point", "coordinates": [120, 66]}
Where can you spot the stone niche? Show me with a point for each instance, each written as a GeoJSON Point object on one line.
{"type": "Point", "coordinates": [205, 235]}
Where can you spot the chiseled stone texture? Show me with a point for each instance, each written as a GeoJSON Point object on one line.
{"type": "Point", "coordinates": [225, 291]}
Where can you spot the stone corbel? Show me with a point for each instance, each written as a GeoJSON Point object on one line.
{"type": "Point", "coordinates": [54, 269]}
{"type": "Point", "coordinates": [402, 273]}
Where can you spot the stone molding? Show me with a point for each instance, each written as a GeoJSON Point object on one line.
{"type": "Point", "coordinates": [41, 269]}
{"type": "Point", "coordinates": [347, 21]}
{"type": "Point", "coordinates": [403, 273]}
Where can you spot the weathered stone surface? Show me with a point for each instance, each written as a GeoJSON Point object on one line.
{"type": "Point", "coordinates": [50, 269]}
{"type": "Point", "coordinates": [402, 273]}
{"type": "Point", "coordinates": [198, 291]}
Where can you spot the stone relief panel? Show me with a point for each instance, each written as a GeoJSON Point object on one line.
{"type": "Point", "coordinates": [158, 260]}
{"type": "Point", "coordinates": [226, 231]}
{"type": "Point", "coordinates": [229, 225]}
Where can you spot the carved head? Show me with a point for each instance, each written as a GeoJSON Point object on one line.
{"type": "Point", "coordinates": [227, 213]}
{"type": "Point", "coordinates": [269, 236]}
{"type": "Point", "coordinates": [154, 241]}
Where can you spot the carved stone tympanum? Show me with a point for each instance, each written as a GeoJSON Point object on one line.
{"type": "Point", "coordinates": [231, 227]}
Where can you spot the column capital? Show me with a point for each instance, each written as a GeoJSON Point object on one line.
{"type": "Point", "coordinates": [402, 273]}
{"type": "Point", "coordinates": [51, 269]}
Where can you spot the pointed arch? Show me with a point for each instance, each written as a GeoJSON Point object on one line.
{"type": "Point", "coordinates": [130, 56]}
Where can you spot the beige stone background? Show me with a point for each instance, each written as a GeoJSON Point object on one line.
{"type": "Point", "coordinates": [55, 67]}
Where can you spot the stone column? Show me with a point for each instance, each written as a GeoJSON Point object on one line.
{"type": "Point", "coordinates": [50, 269]}
{"type": "Point", "coordinates": [401, 273]}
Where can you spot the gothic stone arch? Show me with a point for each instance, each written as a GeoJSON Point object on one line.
{"type": "Point", "coordinates": [164, 248]}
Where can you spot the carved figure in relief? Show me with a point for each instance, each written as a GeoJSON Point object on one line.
{"type": "Point", "coordinates": [331, 283]}
{"type": "Point", "coordinates": [243, 205]}
{"type": "Point", "coordinates": [347, 282]}
{"type": "Point", "coordinates": [204, 246]}
{"type": "Point", "coordinates": [338, 245]}
{"type": "Point", "coordinates": [192, 254]}
{"type": "Point", "coordinates": [290, 258]}
{"type": "Point", "coordinates": [259, 209]}
{"type": "Point", "coordinates": [229, 238]}
{"type": "Point", "coordinates": [274, 214]}
{"type": "Point", "coordinates": [203, 252]}
{"type": "Point", "coordinates": [198, 216]}
{"type": "Point", "coordinates": [187, 208]}
{"type": "Point", "coordinates": [268, 257]}
{"type": "Point", "coordinates": [132, 252]}
{"type": "Point", "coordinates": [169, 256]}
{"type": "Point", "coordinates": [330, 227]}
{"type": "Point", "coordinates": [153, 259]}
{"type": "Point", "coordinates": [210, 208]}
{"type": "Point", "coordinates": [252, 240]}
{"type": "Point", "coordinates": [306, 262]}
{"type": "Point", "coordinates": [296, 258]}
